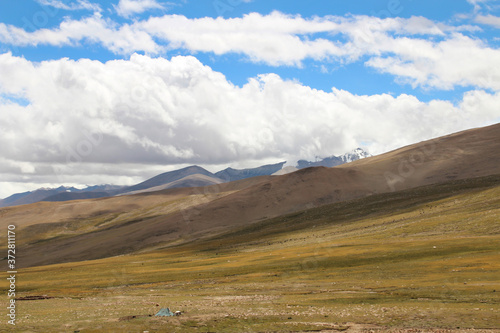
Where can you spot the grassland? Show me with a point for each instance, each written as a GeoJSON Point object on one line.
{"type": "Point", "coordinates": [426, 259]}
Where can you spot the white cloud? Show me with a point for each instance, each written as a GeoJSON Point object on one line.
{"type": "Point", "coordinates": [95, 29]}
{"type": "Point", "coordinates": [416, 50]}
{"type": "Point", "coordinates": [394, 45]}
{"type": "Point", "coordinates": [78, 5]}
{"type": "Point", "coordinates": [480, 4]}
{"type": "Point", "coordinates": [128, 8]}
{"type": "Point", "coordinates": [488, 20]}
{"type": "Point", "coordinates": [92, 122]}
{"type": "Point", "coordinates": [458, 61]}
{"type": "Point", "coordinates": [280, 39]}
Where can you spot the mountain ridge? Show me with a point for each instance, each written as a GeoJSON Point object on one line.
{"type": "Point", "coordinates": [332, 161]}
{"type": "Point", "coordinates": [162, 181]}
{"type": "Point", "coordinates": [188, 215]}
{"type": "Point", "coordinates": [230, 174]}
{"type": "Point", "coordinates": [61, 193]}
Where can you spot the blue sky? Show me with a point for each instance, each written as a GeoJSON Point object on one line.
{"type": "Point", "coordinates": [113, 92]}
{"type": "Point", "coordinates": [355, 77]}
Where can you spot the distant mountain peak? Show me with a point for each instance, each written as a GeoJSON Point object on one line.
{"type": "Point", "coordinates": [189, 176]}
{"type": "Point", "coordinates": [168, 177]}
{"type": "Point", "coordinates": [355, 154]}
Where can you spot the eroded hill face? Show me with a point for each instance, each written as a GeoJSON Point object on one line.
{"type": "Point", "coordinates": [100, 228]}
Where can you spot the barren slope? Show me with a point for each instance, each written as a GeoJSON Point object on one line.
{"type": "Point", "coordinates": [467, 154]}
{"type": "Point", "coordinates": [421, 260]}
{"type": "Point", "coordinates": [463, 155]}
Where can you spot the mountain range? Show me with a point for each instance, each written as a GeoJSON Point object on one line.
{"type": "Point", "coordinates": [192, 176]}
{"type": "Point", "coordinates": [97, 228]}
{"type": "Point", "coordinates": [377, 244]}
{"type": "Point", "coordinates": [62, 193]}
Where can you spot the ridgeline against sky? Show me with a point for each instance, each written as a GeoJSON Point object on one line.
{"type": "Point", "coordinates": [98, 92]}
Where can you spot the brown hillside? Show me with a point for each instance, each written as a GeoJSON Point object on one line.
{"type": "Point", "coordinates": [467, 154]}
{"type": "Point", "coordinates": [463, 155]}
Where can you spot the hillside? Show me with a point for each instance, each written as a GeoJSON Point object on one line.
{"type": "Point", "coordinates": [424, 259]}
{"type": "Point", "coordinates": [193, 176]}
{"type": "Point", "coordinates": [173, 217]}
{"type": "Point", "coordinates": [467, 154]}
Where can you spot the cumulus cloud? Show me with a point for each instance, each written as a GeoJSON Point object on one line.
{"type": "Point", "coordinates": [91, 122]}
{"type": "Point", "coordinates": [415, 50]}
{"type": "Point", "coordinates": [128, 8]}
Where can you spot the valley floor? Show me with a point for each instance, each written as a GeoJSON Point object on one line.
{"type": "Point", "coordinates": [425, 260]}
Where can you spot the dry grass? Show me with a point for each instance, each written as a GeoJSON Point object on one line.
{"type": "Point", "coordinates": [424, 259]}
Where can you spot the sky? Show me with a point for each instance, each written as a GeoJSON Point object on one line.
{"type": "Point", "coordinates": [115, 92]}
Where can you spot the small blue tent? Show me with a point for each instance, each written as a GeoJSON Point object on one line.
{"type": "Point", "coordinates": [165, 313]}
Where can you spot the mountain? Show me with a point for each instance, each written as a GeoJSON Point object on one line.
{"type": "Point", "coordinates": [169, 177]}
{"type": "Point", "coordinates": [195, 180]}
{"type": "Point", "coordinates": [333, 161]}
{"type": "Point", "coordinates": [175, 216]}
{"type": "Point", "coordinates": [34, 196]}
{"type": "Point", "coordinates": [193, 176]}
{"type": "Point", "coordinates": [68, 196]}
{"type": "Point", "coordinates": [61, 193]}
{"type": "Point", "coordinates": [10, 201]}
{"type": "Point", "coordinates": [102, 188]}
{"type": "Point", "coordinates": [90, 192]}
{"type": "Point", "coordinates": [231, 174]}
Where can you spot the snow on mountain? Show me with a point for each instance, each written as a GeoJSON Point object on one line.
{"type": "Point", "coordinates": [64, 193]}
{"type": "Point", "coordinates": [354, 155]}
{"type": "Point", "coordinates": [332, 161]}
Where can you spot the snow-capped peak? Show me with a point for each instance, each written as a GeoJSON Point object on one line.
{"type": "Point", "coordinates": [354, 155]}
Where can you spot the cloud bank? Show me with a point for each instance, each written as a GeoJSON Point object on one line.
{"type": "Point", "coordinates": [414, 50]}
{"type": "Point", "coordinates": [90, 119]}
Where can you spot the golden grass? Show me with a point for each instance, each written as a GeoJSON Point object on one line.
{"type": "Point", "coordinates": [427, 259]}
{"type": "Point", "coordinates": [94, 221]}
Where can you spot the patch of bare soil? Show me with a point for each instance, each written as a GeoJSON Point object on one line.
{"type": "Point", "coordinates": [33, 298]}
